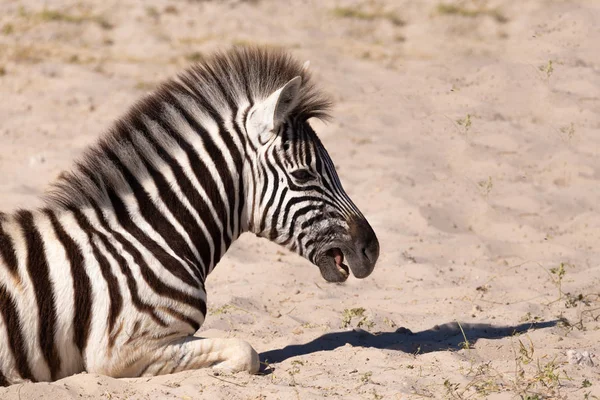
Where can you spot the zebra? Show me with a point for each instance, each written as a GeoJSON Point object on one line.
{"type": "Point", "coordinates": [108, 276]}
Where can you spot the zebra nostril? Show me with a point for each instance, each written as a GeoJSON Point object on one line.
{"type": "Point", "coordinates": [364, 252]}
{"type": "Point", "coordinates": [367, 245]}
{"type": "Point", "coordinates": [371, 250]}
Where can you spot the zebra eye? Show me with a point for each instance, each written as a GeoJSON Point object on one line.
{"type": "Point", "coordinates": [301, 175]}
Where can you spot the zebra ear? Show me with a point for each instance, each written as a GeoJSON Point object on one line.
{"type": "Point", "coordinates": [286, 100]}
{"type": "Point", "coordinates": [266, 116]}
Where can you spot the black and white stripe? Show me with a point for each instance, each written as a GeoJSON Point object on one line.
{"type": "Point", "coordinates": [116, 261]}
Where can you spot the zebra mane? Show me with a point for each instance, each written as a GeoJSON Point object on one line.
{"type": "Point", "coordinates": [254, 73]}
{"type": "Point", "coordinates": [243, 74]}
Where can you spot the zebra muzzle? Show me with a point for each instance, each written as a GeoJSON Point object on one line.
{"type": "Point", "coordinates": [360, 249]}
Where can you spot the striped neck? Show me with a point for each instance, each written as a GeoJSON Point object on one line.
{"type": "Point", "coordinates": [169, 176]}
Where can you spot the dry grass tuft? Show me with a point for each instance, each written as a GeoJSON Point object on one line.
{"type": "Point", "coordinates": [453, 9]}
{"type": "Point", "coordinates": [355, 13]}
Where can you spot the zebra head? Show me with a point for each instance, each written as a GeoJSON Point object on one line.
{"type": "Point", "coordinates": [295, 197]}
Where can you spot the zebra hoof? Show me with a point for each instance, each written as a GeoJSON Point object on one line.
{"type": "Point", "coordinates": [241, 357]}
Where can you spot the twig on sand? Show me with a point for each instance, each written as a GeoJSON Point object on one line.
{"type": "Point", "coordinates": [226, 381]}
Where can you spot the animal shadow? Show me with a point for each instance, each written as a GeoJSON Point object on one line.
{"type": "Point", "coordinates": [439, 338]}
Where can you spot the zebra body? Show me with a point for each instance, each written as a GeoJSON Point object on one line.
{"type": "Point", "coordinates": [109, 276]}
{"type": "Point", "coordinates": [102, 278]}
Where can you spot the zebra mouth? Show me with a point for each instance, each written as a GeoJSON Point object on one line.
{"type": "Point", "coordinates": [338, 257]}
{"type": "Point", "coordinates": [332, 266]}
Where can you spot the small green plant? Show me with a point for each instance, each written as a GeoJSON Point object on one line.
{"type": "Point", "coordinates": [545, 382]}
{"type": "Point", "coordinates": [485, 380]}
{"type": "Point", "coordinates": [366, 377]}
{"type": "Point", "coordinates": [530, 318]}
{"type": "Point", "coordinates": [466, 345]}
{"type": "Point", "coordinates": [224, 309]}
{"type": "Point", "coordinates": [389, 322]}
{"type": "Point", "coordinates": [349, 313]}
{"type": "Point", "coordinates": [465, 122]}
{"type": "Point", "coordinates": [526, 352]}
{"type": "Point", "coordinates": [486, 186]}
{"type": "Point", "coordinates": [586, 315]}
{"type": "Point", "coordinates": [534, 377]}
{"type": "Point", "coordinates": [266, 363]}
{"type": "Point", "coordinates": [559, 272]}
{"type": "Point", "coordinates": [548, 374]}
{"type": "Point", "coordinates": [586, 383]}
{"type": "Point", "coordinates": [548, 69]}
{"type": "Point", "coordinates": [293, 372]}
{"type": "Point", "coordinates": [573, 300]}
{"type": "Point", "coordinates": [296, 364]}
{"type": "Point", "coordinates": [452, 389]}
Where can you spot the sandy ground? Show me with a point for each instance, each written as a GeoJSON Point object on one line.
{"type": "Point", "coordinates": [468, 135]}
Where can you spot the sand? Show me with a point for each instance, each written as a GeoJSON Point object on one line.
{"type": "Point", "coordinates": [469, 136]}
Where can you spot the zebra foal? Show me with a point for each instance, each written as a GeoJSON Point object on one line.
{"type": "Point", "coordinates": [109, 276]}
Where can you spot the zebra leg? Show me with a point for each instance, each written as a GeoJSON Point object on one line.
{"type": "Point", "coordinates": [225, 356]}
